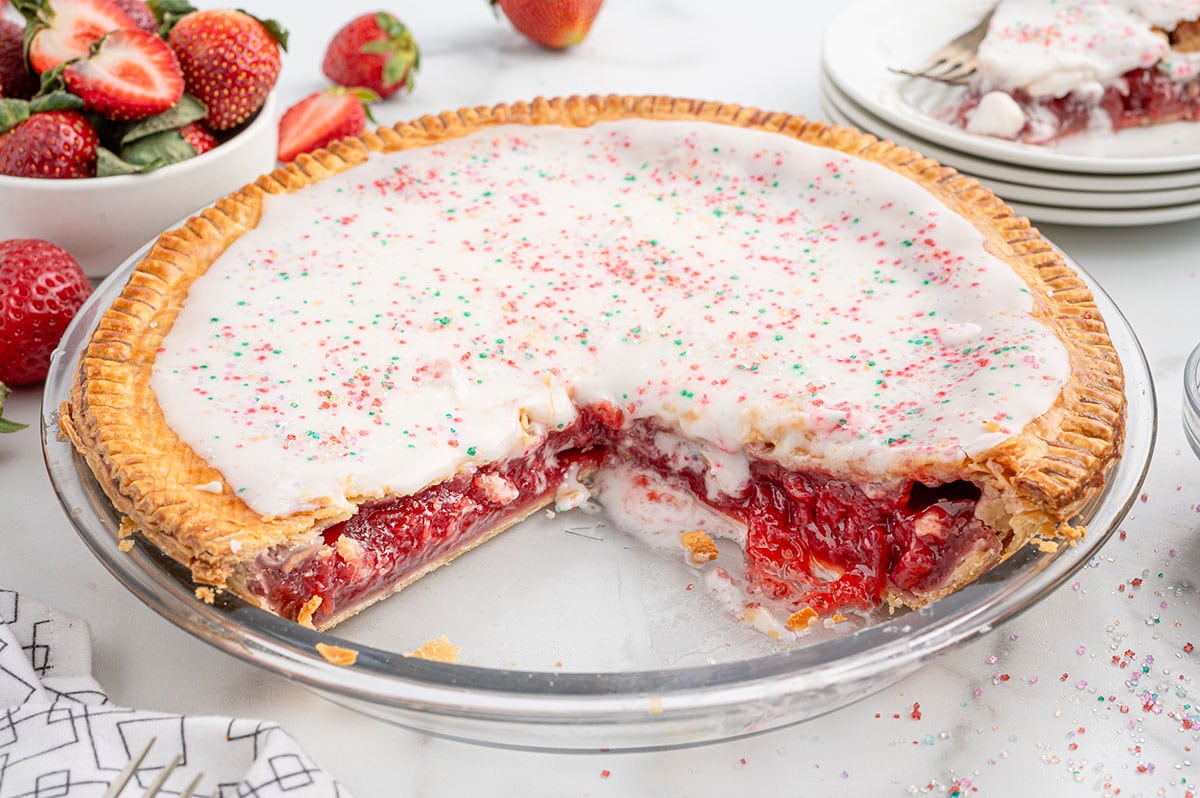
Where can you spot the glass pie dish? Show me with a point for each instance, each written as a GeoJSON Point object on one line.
{"type": "Point", "coordinates": [1191, 400]}
{"type": "Point", "coordinates": [575, 636]}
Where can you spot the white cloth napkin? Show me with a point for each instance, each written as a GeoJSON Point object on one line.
{"type": "Point", "coordinates": [60, 736]}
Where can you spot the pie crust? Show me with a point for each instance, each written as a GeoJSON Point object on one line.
{"type": "Point", "coordinates": [1031, 486]}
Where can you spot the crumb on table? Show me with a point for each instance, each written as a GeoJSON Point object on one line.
{"type": "Point", "coordinates": [439, 649]}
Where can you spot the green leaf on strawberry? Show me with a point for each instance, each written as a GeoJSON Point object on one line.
{"type": "Point", "coordinates": [170, 10]}
{"type": "Point", "coordinates": [7, 425]}
{"type": "Point", "coordinates": [13, 111]}
{"type": "Point", "coordinates": [144, 154]}
{"type": "Point", "coordinates": [404, 59]}
{"type": "Point", "coordinates": [149, 144]}
{"type": "Point", "coordinates": [277, 31]}
{"type": "Point", "coordinates": [56, 100]}
{"type": "Point", "coordinates": [188, 109]}
{"type": "Point", "coordinates": [158, 149]}
{"type": "Point", "coordinates": [109, 164]}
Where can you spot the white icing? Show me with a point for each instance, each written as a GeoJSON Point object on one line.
{"type": "Point", "coordinates": [1051, 49]}
{"type": "Point", "coordinates": [656, 513]}
{"type": "Point", "coordinates": [997, 114]}
{"type": "Point", "coordinates": [1180, 65]}
{"type": "Point", "coordinates": [725, 473]}
{"type": "Point", "coordinates": [571, 493]}
{"type": "Point", "coordinates": [1164, 14]}
{"type": "Point", "coordinates": [447, 305]}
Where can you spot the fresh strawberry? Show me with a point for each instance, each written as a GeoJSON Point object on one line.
{"type": "Point", "coordinates": [200, 137]}
{"type": "Point", "coordinates": [41, 287]}
{"type": "Point", "coordinates": [63, 30]}
{"type": "Point", "coordinates": [55, 144]}
{"type": "Point", "coordinates": [230, 62]}
{"type": "Point", "coordinates": [321, 118]}
{"type": "Point", "coordinates": [130, 74]}
{"type": "Point", "coordinates": [140, 13]}
{"type": "Point", "coordinates": [373, 51]}
{"type": "Point", "coordinates": [15, 78]}
{"type": "Point", "coordinates": [556, 24]}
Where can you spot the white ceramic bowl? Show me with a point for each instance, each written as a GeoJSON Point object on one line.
{"type": "Point", "coordinates": [102, 221]}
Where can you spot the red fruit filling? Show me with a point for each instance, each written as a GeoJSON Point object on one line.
{"type": "Point", "coordinates": [812, 541]}
{"type": "Point", "coordinates": [1144, 97]}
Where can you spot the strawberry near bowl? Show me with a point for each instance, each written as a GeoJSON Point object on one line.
{"type": "Point", "coordinates": [101, 221]}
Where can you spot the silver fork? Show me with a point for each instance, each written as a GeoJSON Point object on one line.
{"type": "Point", "coordinates": [956, 61]}
{"type": "Point", "coordinates": [123, 778]}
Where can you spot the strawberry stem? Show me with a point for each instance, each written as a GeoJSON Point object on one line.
{"type": "Point", "coordinates": [7, 425]}
{"type": "Point", "coordinates": [398, 44]}
{"type": "Point", "coordinates": [168, 12]}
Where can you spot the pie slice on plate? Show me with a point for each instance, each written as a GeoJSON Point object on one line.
{"type": "Point", "coordinates": [877, 379]}
{"type": "Point", "coordinates": [1051, 69]}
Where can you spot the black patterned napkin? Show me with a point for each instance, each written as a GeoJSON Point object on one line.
{"type": "Point", "coordinates": [60, 736]}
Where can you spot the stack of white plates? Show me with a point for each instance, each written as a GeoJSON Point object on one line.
{"type": "Point", "coordinates": [1139, 176]}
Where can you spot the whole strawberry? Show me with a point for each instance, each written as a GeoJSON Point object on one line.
{"type": "Point", "coordinates": [230, 62]}
{"type": "Point", "coordinates": [321, 118]}
{"type": "Point", "coordinates": [556, 24]}
{"type": "Point", "coordinates": [41, 288]}
{"type": "Point", "coordinates": [52, 144]}
{"type": "Point", "coordinates": [373, 51]}
{"type": "Point", "coordinates": [15, 78]}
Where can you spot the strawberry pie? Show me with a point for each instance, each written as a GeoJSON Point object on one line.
{"type": "Point", "coordinates": [376, 358]}
{"type": "Point", "coordinates": [1050, 69]}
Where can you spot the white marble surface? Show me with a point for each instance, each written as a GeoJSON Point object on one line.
{"type": "Point", "coordinates": [1091, 692]}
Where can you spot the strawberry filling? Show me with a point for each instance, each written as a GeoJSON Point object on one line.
{"type": "Point", "coordinates": [1144, 97]}
{"type": "Point", "coordinates": [812, 541]}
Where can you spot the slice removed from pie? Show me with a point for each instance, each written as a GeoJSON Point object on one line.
{"type": "Point", "coordinates": [1053, 69]}
{"type": "Point", "coordinates": [378, 357]}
